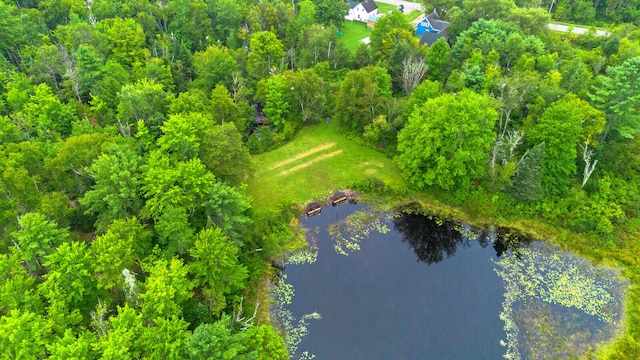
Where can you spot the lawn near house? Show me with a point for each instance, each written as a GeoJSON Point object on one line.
{"type": "Point", "coordinates": [352, 34]}
{"type": "Point", "coordinates": [313, 164]}
{"type": "Point", "coordinates": [354, 31]}
{"type": "Point", "coordinates": [385, 8]}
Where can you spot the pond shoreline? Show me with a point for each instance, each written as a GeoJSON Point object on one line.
{"type": "Point", "coordinates": [563, 239]}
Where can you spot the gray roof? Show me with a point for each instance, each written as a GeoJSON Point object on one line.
{"type": "Point", "coordinates": [430, 38]}
{"type": "Point", "coordinates": [353, 4]}
{"type": "Point", "coordinates": [435, 21]}
{"type": "Point", "coordinates": [369, 5]}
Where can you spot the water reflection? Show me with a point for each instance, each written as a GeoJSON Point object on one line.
{"type": "Point", "coordinates": [377, 302]}
{"type": "Point", "coordinates": [432, 242]}
{"type": "Point", "coordinates": [436, 240]}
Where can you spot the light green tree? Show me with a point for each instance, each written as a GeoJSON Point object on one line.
{"type": "Point", "coordinates": [166, 339]}
{"type": "Point", "coordinates": [36, 238]}
{"type": "Point", "coordinates": [125, 39]}
{"type": "Point", "coordinates": [265, 54]}
{"type": "Point", "coordinates": [144, 100]}
{"type": "Point", "coordinates": [190, 22]}
{"type": "Point", "coordinates": [72, 346]}
{"type": "Point", "coordinates": [123, 337]}
{"type": "Point", "coordinates": [216, 267]}
{"type": "Point", "coordinates": [307, 95]}
{"type": "Point", "coordinates": [125, 243]}
{"type": "Point", "coordinates": [214, 66]}
{"type": "Point", "coordinates": [70, 277]}
{"type": "Point", "coordinates": [390, 30]}
{"type": "Point", "coordinates": [24, 335]}
{"type": "Point", "coordinates": [218, 341]}
{"type": "Point", "coordinates": [223, 108]}
{"type": "Point", "coordinates": [331, 12]}
{"type": "Point", "coordinates": [446, 141]}
{"type": "Point", "coordinates": [115, 194]}
{"type": "Point", "coordinates": [362, 96]}
{"type": "Point", "coordinates": [17, 287]}
{"type": "Point", "coordinates": [166, 289]}
{"type": "Point", "coordinates": [276, 105]}
{"type": "Point", "coordinates": [564, 125]}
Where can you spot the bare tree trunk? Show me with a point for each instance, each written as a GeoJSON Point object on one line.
{"type": "Point", "coordinates": [589, 166]}
{"type": "Point", "coordinates": [412, 73]}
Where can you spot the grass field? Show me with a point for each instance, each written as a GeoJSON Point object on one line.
{"type": "Point", "coordinates": [354, 31]}
{"type": "Point", "coordinates": [317, 161]}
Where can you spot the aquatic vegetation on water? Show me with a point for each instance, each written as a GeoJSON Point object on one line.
{"type": "Point", "coordinates": [348, 233]}
{"type": "Point", "coordinates": [308, 255]}
{"type": "Point", "coordinates": [295, 330]}
{"type": "Point", "coordinates": [552, 298]}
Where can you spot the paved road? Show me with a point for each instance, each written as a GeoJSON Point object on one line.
{"type": "Point", "coordinates": [409, 6]}
{"type": "Point", "coordinates": [576, 30]}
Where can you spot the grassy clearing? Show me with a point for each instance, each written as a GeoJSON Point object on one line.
{"type": "Point", "coordinates": [317, 161]}
{"type": "Point", "coordinates": [352, 33]}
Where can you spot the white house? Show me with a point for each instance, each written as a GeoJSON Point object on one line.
{"type": "Point", "coordinates": [361, 11]}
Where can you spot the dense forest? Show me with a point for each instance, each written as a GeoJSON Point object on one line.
{"type": "Point", "coordinates": [127, 129]}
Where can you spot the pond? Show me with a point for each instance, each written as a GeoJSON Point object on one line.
{"type": "Point", "coordinates": [374, 285]}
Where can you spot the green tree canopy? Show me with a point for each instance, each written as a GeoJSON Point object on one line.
{"type": "Point", "coordinates": [446, 141]}
{"type": "Point", "coordinates": [563, 126]}
{"type": "Point", "coordinates": [265, 53]}
{"type": "Point", "coordinates": [389, 31]}
{"type": "Point", "coordinates": [213, 66]}
{"type": "Point", "coordinates": [618, 96]}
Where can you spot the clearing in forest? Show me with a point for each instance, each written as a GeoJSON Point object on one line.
{"type": "Point", "coordinates": [303, 155]}
{"type": "Point", "coordinates": [318, 160]}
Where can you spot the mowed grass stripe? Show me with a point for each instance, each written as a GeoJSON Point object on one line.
{"type": "Point", "coordinates": [310, 162]}
{"type": "Point", "coordinates": [303, 155]}
{"type": "Point", "coordinates": [317, 177]}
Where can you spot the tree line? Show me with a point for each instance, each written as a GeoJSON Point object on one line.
{"type": "Point", "coordinates": [126, 129]}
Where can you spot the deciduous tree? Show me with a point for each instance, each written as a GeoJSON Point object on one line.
{"type": "Point", "coordinates": [166, 289]}
{"type": "Point", "coordinates": [265, 54]}
{"type": "Point", "coordinates": [216, 267]}
{"type": "Point", "coordinates": [115, 194]}
{"type": "Point", "coordinates": [36, 238]}
{"type": "Point", "coordinates": [25, 335]}
{"type": "Point", "coordinates": [562, 127]}
{"type": "Point", "coordinates": [214, 66]}
{"type": "Point", "coordinates": [144, 100]}
{"type": "Point", "coordinates": [447, 140]}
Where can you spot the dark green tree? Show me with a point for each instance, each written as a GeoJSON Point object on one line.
{"type": "Point", "coordinates": [618, 96]}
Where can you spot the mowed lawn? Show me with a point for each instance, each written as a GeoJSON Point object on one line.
{"type": "Point", "coordinates": [354, 31]}
{"type": "Point", "coordinates": [313, 164]}
{"type": "Point", "coordinates": [352, 34]}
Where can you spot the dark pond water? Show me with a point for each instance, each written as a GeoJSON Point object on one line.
{"type": "Point", "coordinates": [404, 287]}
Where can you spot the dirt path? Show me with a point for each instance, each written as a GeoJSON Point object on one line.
{"type": "Point", "coordinates": [302, 155]}
{"type": "Point", "coordinates": [310, 162]}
